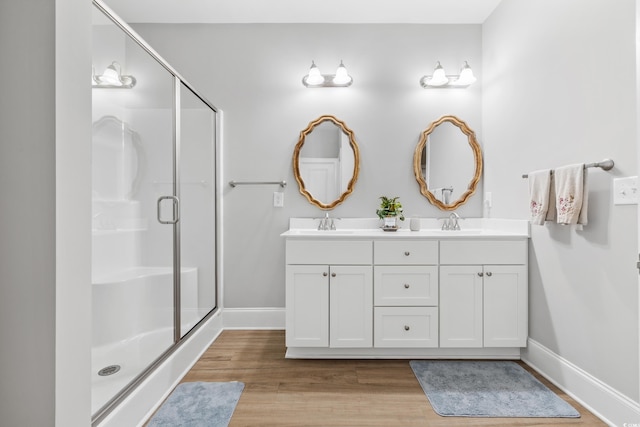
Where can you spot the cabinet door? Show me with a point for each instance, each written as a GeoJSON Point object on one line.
{"type": "Point", "coordinates": [351, 302]}
{"type": "Point", "coordinates": [461, 306]}
{"type": "Point", "coordinates": [307, 311]}
{"type": "Point", "coordinates": [505, 306]}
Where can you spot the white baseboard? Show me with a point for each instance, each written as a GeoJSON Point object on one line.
{"type": "Point", "coordinates": [254, 318]}
{"type": "Point", "coordinates": [606, 403]}
{"type": "Point", "coordinates": [145, 399]}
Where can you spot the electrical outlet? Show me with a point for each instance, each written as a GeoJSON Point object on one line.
{"type": "Point", "coordinates": [488, 199]}
{"type": "Point", "coordinates": [278, 199]}
{"type": "Point", "coordinates": [625, 191]}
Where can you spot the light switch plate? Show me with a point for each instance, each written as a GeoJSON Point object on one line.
{"type": "Point", "coordinates": [278, 199]}
{"type": "Point", "coordinates": [625, 191]}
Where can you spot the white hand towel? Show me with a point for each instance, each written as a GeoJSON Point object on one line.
{"type": "Point", "coordinates": [539, 189]}
{"type": "Point", "coordinates": [571, 194]}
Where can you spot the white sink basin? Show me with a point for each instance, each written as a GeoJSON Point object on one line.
{"type": "Point", "coordinates": [307, 232]}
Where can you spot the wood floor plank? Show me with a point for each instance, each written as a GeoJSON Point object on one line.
{"type": "Point", "coordinates": [288, 392]}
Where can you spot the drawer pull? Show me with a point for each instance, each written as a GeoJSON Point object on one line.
{"type": "Point", "coordinates": [407, 253]}
{"type": "Point", "coordinates": [406, 327]}
{"type": "Point", "coordinates": [407, 286]}
{"type": "Point", "coordinates": [489, 273]}
{"type": "Point", "coordinates": [480, 273]}
{"type": "Point", "coordinates": [333, 274]}
{"type": "Point", "coordinates": [324, 274]}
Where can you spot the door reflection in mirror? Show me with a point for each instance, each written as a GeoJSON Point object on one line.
{"type": "Point", "coordinates": [326, 162]}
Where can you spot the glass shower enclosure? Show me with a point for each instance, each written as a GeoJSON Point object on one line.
{"type": "Point", "coordinates": [153, 208]}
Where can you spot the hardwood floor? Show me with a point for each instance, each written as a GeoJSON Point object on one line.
{"type": "Point", "coordinates": [290, 392]}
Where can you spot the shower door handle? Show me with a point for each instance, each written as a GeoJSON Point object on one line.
{"type": "Point", "coordinates": [176, 209]}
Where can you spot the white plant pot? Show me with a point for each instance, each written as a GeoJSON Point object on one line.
{"type": "Point", "coordinates": [390, 221]}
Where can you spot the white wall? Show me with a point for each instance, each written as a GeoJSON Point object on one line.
{"type": "Point", "coordinates": [44, 248]}
{"type": "Point", "coordinates": [546, 104]}
{"type": "Point", "coordinates": [254, 72]}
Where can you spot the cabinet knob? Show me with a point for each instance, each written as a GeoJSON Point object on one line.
{"type": "Point", "coordinates": [407, 253]}
{"type": "Point", "coordinates": [406, 327]}
{"type": "Point", "coordinates": [489, 273]}
{"type": "Point", "coordinates": [407, 286]}
{"type": "Point", "coordinates": [333, 274]}
{"type": "Point", "coordinates": [480, 273]}
{"type": "Point", "coordinates": [324, 274]}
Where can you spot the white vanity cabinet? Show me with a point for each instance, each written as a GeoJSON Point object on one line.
{"type": "Point", "coordinates": [366, 293]}
{"type": "Point", "coordinates": [329, 294]}
{"type": "Point", "coordinates": [405, 294]}
{"type": "Point", "coordinates": [483, 293]}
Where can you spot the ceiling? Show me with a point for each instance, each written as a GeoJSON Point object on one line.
{"type": "Point", "coordinates": [304, 11]}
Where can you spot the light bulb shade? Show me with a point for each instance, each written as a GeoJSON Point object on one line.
{"type": "Point", "coordinates": [314, 77]}
{"type": "Point", "coordinates": [111, 76]}
{"type": "Point", "coordinates": [466, 75]}
{"type": "Point", "coordinates": [439, 77]}
{"type": "Point", "coordinates": [342, 77]}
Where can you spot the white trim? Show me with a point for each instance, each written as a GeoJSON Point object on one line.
{"type": "Point", "coordinates": [146, 398]}
{"type": "Point", "coordinates": [219, 209]}
{"type": "Point", "coordinates": [637, 128]}
{"type": "Point", "coordinates": [254, 318]}
{"type": "Point", "coordinates": [509, 353]}
{"type": "Point", "coordinates": [608, 404]}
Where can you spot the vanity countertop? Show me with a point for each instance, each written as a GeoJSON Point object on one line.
{"type": "Point", "coordinates": [429, 228]}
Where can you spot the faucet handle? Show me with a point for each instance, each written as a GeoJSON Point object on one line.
{"type": "Point", "coordinates": [446, 223]}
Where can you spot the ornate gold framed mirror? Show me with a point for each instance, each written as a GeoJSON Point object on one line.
{"type": "Point", "coordinates": [447, 163]}
{"type": "Point", "coordinates": [326, 162]}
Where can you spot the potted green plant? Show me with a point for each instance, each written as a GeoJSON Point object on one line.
{"type": "Point", "coordinates": [390, 211]}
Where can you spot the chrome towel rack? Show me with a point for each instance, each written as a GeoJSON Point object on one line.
{"type": "Point", "coordinates": [606, 164]}
{"type": "Point", "coordinates": [236, 183]}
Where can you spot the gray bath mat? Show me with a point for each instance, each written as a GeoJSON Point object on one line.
{"type": "Point", "coordinates": [199, 404]}
{"type": "Point", "coordinates": [487, 389]}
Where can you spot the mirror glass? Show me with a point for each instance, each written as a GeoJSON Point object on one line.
{"type": "Point", "coordinates": [447, 162]}
{"type": "Point", "coordinates": [326, 162]}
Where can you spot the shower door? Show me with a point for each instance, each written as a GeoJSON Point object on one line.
{"type": "Point", "coordinates": [133, 254]}
{"type": "Point", "coordinates": [136, 265]}
{"type": "Point", "coordinates": [196, 191]}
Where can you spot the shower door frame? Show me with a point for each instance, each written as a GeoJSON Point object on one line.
{"type": "Point", "coordinates": [178, 339]}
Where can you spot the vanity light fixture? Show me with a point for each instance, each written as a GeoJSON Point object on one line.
{"type": "Point", "coordinates": [315, 79]}
{"type": "Point", "coordinates": [440, 80]}
{"type": "Point", "coordinates": [112, 78]}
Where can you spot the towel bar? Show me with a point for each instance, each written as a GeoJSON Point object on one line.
{"type": "Point", "coordinates": [280, 183]}
{"type": "Point", "coordinates": [606, 164]}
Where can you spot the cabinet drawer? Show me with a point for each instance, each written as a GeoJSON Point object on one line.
{"type": "Point", "coordinates": [405, 327]}
{"type": "Point", "coordinates": [410, 285]}
{"type": "Point", "coordinates": [483, 252]}
{"type": "Point", "coordinates": [405, 252]}
{"type": "Point", "coordinates": [343, 252]}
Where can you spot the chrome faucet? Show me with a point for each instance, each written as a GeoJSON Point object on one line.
{"type": "Point", "coordinates": [446, 195]}
{"type": "Point", "coordinates": [452, 222]}
{"type": "Point", "coordinates": [327, 223]}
